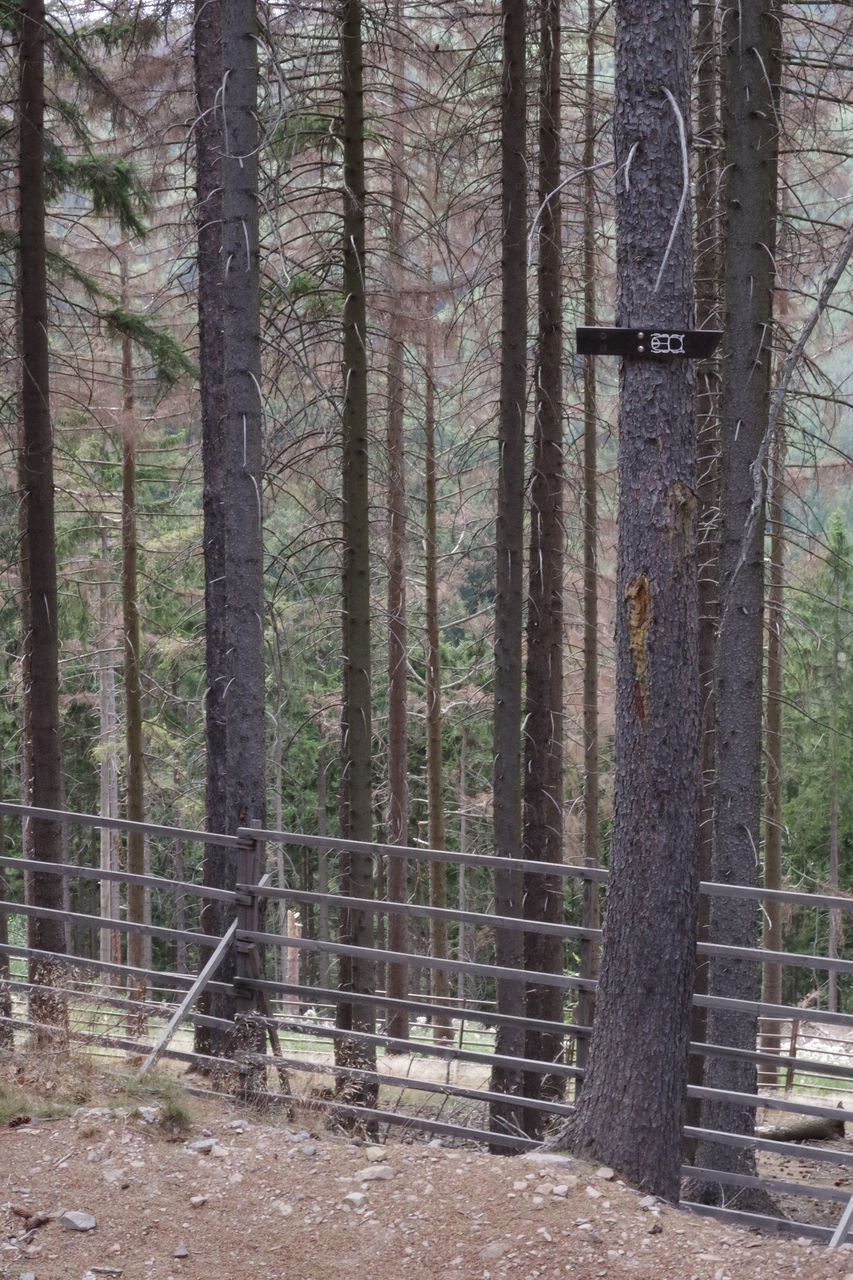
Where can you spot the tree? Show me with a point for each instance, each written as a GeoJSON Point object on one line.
{"type": "Point", "coordinates": [543, 723]}
{"type": "Point", "coordinates": [629, 1113]}
{"type": "Point", "coordinates": [44, 933]}
{"type": "Point", "coordinates": [356, 925]}
{"type": "Point", "coordinates": [752, 45]}
{"type": "Point", "coordinates": [509, 551]}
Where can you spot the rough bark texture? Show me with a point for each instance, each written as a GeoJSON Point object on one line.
{"type": "Point", "coordinates": [7, 1033]}
{"type": "Point", "coordinates": [629, 1114]}
{"type": "Point", "coordinates": [398, 761]}
{"type": "Point", "coordinates": [132, 675]}
{"type": "Point", "coordinates": [543, 736]}
{"type": "Point", "coordinates": [708, 265]}
{"type": "Point", "coordinates": [37, 465]}
{"type": "Point", "coordinates": [591, 912]}
{"type": "Point", "coordinates": [219, 867]}
{"type": "Point", "coordinates": [439, 978]}
{"type": "Point", "coordinates": [752, 52]}
{"type": "Point", "coordinates": [509, 567]}
{"type": "Point", "coordinates": [110, 939]}
{"type": "Point", "coordinates": [356, 927]}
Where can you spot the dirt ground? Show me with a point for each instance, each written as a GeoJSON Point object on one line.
{"type": "Point", "coordinates": [203, 1190]}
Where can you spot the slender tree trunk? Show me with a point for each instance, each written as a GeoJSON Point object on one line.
{"type": "Point", "coordinates": [108, 765]}
{"type": "Point", "coordinates": [708, 266]}
{"type": "Point", "coordinates": [219, 867]}
{"type": "Point", "coordinates": [7, 1034]}
{"type": "Point", "coordinates": [771, 974]}
{"type": "Point", "coordinates": [356, 927]}
{"type": "Point", "coordinates": [629, 1113]}
{"type": "Point", "coordinates": [543, 736]}
{"type": "Point", "coordinates": [398, 745]}
{"type": "Point", "coordinates": [590, 911]}
{"type": "Point", "coordinates": [752, 45]}
{"type": "Point", "coordinates": [46, 1008]}
{"type": "Point", "coordinates": [322, 869]}
{"type": "Point", "coordinates": [132, 678]}
{"type": "Point", "coordinates": [509, 547]}
{"type": "Point", "coordinates": [462, 944]}
{"type": "Point", "coordinates": [834, 916]}
{"type": "Point", "coordinates": [439, 979]}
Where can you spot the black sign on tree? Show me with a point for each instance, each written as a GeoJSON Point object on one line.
{"type": "Point", "coordinates": [650, 343]}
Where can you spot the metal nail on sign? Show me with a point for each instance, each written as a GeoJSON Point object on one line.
{"type": "Point", "coordinates": [647, 344]}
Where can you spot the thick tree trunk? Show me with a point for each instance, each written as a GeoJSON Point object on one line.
{"type": "Point", "coordinates": [751, 37]}
{"type": "Point", "coordinates": [590, 910]}
{"type": "Point", "coordinates": [398, 745]}
{"type": "Point", "coordinates": [509, 547]}
{"type": "Point", "coordinates": [219, 867]}
{"type": "Point", "coordinates": [132, 677]}
{"type": "Point", "coordinates": [629, 1113]}
{"type": "Point", "coordinates": [356, 927]}
{"type": "Point", "coordinates": [439, 979]}
{"type": "Point", "coordinates": [543, 737]}
{"type": "Point", "coordinates": [46, 1008]}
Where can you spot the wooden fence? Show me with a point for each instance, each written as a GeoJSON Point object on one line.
{"type": "Point", "coordinates": [437, 1080]}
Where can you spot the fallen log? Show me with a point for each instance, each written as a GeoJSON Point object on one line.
{"type": "Point", "coordinates": [802, 1129]}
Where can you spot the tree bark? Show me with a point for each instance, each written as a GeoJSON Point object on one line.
{"type": "Point", "coordinates": [398, 745]}
{"type": "Point", "coordinates": [543, 736]}
{"type": "Point", "coordinates": [108, 767]}
{"type": "Point", "coordinates": [219, 865]}
{"type": "Point", "coordinates": [356, 927]}
{"type": "Point", "coordinates": [132, 677]}
{"type": "Point", "coordinates": [7, 1033]}
{"type": "Point", "coordinates": [590, 910]}
{"type": "Point", "coordinates": [629, 1113]}
{"type": "Point", "coordinates": [46, 1008]}
{"type": "Point", "coordinates": [439, 979]}
{"type": "Point", "coordinates": [509, 548]}
{"type": "Point", "coordinates": [708, 266]}
{"type": "Point", "coordinates": [751, 37]}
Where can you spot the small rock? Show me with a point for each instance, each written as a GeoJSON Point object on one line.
{"type": "Point", "coordinates": [648, 1202]}
{"type": "Point", "coordinates": [593, 1193]}
{"type": "Point", "coordinates": [655, 1229]}
{"type": "Point", "coordinates": [309, 1149]}
{"type": "Point", "coordinates": [494, 1250]}
{"type": "Point", "coordinates": [375, 1154]}
{"type": "Point", "coordinates": [202, 1146]}
{"type": "Point", "coordinates": [150, 1114]}
{"type": "Point", "coordinates": [355, 1198]}
{"type": "Point", "coordinates": [561, 1190]}
{"type": "Point", "coordinates": [519, 1185]}
{"type": "Point", "coordinates": [605, 1173]}
{"type": "Point", "coordinates": [284, 1208]}
{"type": "Point", "coordinates": [76, 1220]}
{"type": "Point", "coordinates": [375, 1173]}
{"type": "Point", "coordinates": [181, 1251]}
{"type": "Point", "coordinates": [198, 1201]}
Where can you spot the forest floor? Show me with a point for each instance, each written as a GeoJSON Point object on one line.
{"type": "Point", "coordinates": [197, 1189]}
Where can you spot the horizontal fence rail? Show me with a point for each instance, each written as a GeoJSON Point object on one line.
{"type": "Point", "coordinates": [436, 1078]}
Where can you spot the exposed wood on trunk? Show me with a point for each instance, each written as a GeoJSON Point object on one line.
{"type": "Point", "coordinates": [45, 1007]}
{"type": "Point", "coordinates": [543, 723]}
{"type": "Point", "coordinates": [629, 1113]}
{"type": "Point", "coordinates": [801, 1129]}
{"type": "Point", "coordinates": [509, 548]}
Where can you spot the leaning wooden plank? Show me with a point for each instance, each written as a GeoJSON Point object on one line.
{"type": "Point", "coordinates": [189, 999]}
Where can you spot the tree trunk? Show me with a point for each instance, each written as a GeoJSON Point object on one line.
{"type": "Point", "coordinates": [219, 866]}
{"type": "Point", "coordinates": [108, 767]}
{"type": "Point", "coordinates": [322, 869]}
{"type": "Point", "coordinates": [629, 1113]}
{"type": "Point", "coordinates": [439, 978]}
{"type": "Point", "coordinates": [7, 1033]}
{"type": "Point", "coordinates": [356, 927]}
{"type": "Point", "coordinates": [708, 266]}
{"type": "Point", "coordinates": [751, 37]}
{"type": "Point", "coordinates": [137, 987]}
{"type": "Point", "coordinates": [45, 1007]}
{"type": "Point", "coordinates": [590, 910]}
{"type": "Point", "coordinates": [398, 745]}
{"type": "Point", "coordinates": [771, 974]}
{"type": "Point", "coordinates": [509, 547]}
{"type": "Point", "coordinates": [543, 736]}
